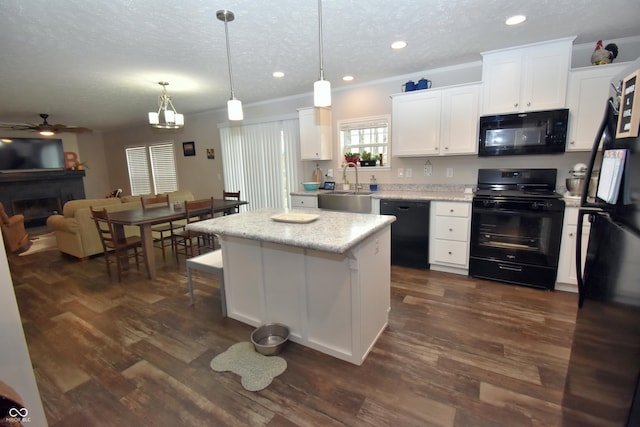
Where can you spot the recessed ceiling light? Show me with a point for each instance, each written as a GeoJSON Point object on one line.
{"type": "Point", "coordinates": [515, 20]}
{"type": "Point", "coordinates": [399, 44]}
{"type": "Point", "coordinates": [347, 78]}
{"type": "Point", "coordinates": [278, 74]}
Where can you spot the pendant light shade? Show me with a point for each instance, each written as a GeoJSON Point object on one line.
{"type": "Point", "coordinates": [322, 93]}
{"type": "Point", "coordinates": [234, 106]}
{"type": "Point", "coordinates": [234, 109]}
{"type": "Point", "coordinates": [322, 87]}
{"type": "Point", "coordinates": [166, 117]}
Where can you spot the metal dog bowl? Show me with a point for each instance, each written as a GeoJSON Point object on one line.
{"type": "Point", "coordinates": [270, 339]}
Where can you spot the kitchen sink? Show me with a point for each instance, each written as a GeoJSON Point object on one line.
{"type": "Point", "coordinates": [346, 201]}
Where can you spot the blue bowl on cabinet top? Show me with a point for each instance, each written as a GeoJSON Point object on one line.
{"type": "Point", "coordinates": [311, 186]}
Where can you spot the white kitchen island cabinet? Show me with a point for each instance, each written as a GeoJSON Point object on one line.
{"type": "Point", "coordinates": [328, 280]}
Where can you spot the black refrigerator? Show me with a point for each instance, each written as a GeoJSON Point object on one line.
{"type": "Point", "coordinates": [602, 386]}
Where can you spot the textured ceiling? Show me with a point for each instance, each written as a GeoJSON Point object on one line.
{"type": "Point", "coordinates": [96, 63]}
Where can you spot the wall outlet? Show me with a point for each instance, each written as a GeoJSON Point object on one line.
{"type": "Point", "coordinates": [400, 172]}
{"type": "Point", "coordinates": [329, 173]}
{"type": "Point", "coordinates": [428, 170]}
{"type": "Point", "coordinates": [409, 172]}
{"type": "Point", "coordinates": [449, 172]}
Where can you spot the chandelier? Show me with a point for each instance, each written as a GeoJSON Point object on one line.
{"type": "Point", "coordinates": [167, 117]}
{"type": "Point", "coordinates": [234, 106]}
{"type": "Point", "coordinates": [322, 87]}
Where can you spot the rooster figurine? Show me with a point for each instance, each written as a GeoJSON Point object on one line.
{"type": "Point", "coordinates": [604, 55]}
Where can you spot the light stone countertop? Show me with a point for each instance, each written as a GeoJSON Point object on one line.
{"type": "Point", "coordinates": [333, 231]}
{"type": "Point", "coordinates": [452, 196]}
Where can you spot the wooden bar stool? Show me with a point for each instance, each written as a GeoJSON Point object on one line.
{"type": "Point", "coordinates": [210, 262]}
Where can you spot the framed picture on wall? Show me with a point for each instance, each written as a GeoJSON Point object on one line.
{"type": "Point", "coordinates": [189, 148]}
{"type": "Point", "coordinates": [210, 153]}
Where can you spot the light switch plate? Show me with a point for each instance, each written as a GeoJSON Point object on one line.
{"type": "Point", "coordinates": [400, 172]}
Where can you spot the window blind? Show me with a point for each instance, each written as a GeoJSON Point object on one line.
{"type": "Point", "coordinates": [261, 161]}
{"type": "Point", "coordinates": [138, 170]}
{"type": "Point", "coordinates": [163, 168]}
{"type": "Point", "coordinates": [152, 169]}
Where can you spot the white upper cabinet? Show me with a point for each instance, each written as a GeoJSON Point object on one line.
{"type": "Point", "coordinates": [435, 122]}
{"type": "Point", "coordinates": [415, 123]}
{"type": "Point", "coordinates": [587, 98]}
{"type": "Point", "coordinates": [315, 133]}
{"type": "Point", "coordinates": [526, 78]}
{"type": "Point", "coordinates": [460, 119]}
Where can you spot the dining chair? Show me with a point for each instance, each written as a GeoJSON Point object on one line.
{"type": "Point", "coordinates": [119, 247]}
{"type": "Point", "coordinates": [231, 195]}
{"type": "Point", "coordinates": [189, 239]}
{"type": "Point", "coordinates": [162, 233]}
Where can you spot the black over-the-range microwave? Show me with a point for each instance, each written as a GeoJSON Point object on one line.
{"type": "Point", "coordinates": [536, 132]}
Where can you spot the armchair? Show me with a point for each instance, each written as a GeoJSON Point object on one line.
{"type": "Point", "coordinates": [13, 232]}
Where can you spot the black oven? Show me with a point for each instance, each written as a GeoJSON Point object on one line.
{"type": "Point", "coordinates": [516, 228]}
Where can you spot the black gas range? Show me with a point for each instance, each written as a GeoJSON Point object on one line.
{"type": "Point", "coordinates": [516, 227]}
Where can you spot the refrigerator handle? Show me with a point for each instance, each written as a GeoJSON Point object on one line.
{"type": "Point", "coordinates": [594, 151]}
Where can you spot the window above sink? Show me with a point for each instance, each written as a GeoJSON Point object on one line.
{"type": "Point", "coordinates": [366, 135]}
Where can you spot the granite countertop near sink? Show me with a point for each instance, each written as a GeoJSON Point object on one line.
{"type": "Point", "coordinates": [453, 193]}
{"type": "Point", "coordinates": [333, 231]}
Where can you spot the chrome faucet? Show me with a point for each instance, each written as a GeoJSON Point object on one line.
{"type": "Point", "coordinates": [344, 174]}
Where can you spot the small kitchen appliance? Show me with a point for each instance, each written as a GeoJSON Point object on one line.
{"type": "Point", "coordinates": [576, 180]}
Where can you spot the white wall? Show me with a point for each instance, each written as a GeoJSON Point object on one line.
{"type": "Point", "coordinates": [15, 363]}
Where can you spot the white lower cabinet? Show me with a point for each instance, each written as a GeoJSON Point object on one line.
{"type": "Point", "coordinates": [299, 201]}
{"type": "Point", "coordinates": [567, 278]}
{"type": "Point", "coordinates": [449, 234]}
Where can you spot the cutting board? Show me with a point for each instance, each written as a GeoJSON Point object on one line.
{"type": "Point", "coordinates": [299, 218]}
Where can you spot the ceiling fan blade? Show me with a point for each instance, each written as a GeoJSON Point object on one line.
{"type": "Point", "coordinates": [74, 129]}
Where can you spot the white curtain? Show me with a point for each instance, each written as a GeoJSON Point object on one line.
{"type": "Point", "coordinates": [262, 162]}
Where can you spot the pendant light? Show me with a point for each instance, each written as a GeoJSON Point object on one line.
{"type": "Point", "coordinates": [166, 117]}
{"type": "Point", "coordinates": [322, 87]}
{"type": "Point", "coordinates": [234, 106]}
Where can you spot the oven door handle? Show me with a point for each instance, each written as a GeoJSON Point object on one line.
{"type": "Point", "coordinates": [510, 268]}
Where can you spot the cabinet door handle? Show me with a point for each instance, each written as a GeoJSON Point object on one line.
{"type": "Point", "coordinates": [529, 104]}
{"type": "Point", "coordinates": [450, 252]}
{"type": "Point", "coordinates": [570, 234]}
{"type": "Point", "coordinates": [446, 148]}
{"type": "Point", "coordinates": [451, 229]}
{"type": "Point", "coordinates": [515, 105]}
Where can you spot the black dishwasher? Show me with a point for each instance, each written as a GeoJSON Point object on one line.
{"type": "Point", "coordinates": [409, 233]}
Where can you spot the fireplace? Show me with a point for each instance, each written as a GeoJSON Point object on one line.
{"type": "Point", "coordinates": [39, 194]}
{"type": "Point", "coordinates": [36, 211]}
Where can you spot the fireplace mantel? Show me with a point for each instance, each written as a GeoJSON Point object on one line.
{"type": "Point", "coordinates": [24, 187]}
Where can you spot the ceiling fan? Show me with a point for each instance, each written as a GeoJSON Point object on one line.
{"type": "Point", "coordinates": [44, 128]}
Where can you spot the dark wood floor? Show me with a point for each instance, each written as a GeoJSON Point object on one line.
{"type": "Point", "coordinates": [457, 352]}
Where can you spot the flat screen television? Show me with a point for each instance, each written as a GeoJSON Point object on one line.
{"type": "Point", "coordinates": [19, 154]}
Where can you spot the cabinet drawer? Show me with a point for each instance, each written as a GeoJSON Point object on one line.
{"type": "Point", "coordinates": [452, 228]}
{"type": "Point", "coordinates": [304, 202]}
{"type": "Point", "coordinates": [453, 209]}
{"type": "Point", "coordinates": [448, 252]}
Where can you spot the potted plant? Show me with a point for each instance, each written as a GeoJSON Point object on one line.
{"type": "Point", "coordinates": [345, 182]}
{"type": "Point", "coordinates": [368, 159]}
{"type": "Point", "coordinates": [79, 166]}
{"type": "Point", "coordinates": [351, 157]}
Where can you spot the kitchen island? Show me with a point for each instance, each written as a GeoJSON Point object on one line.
{"type": "Point", "coordinates": [328, 280]}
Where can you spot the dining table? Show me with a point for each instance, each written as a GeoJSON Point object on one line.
{"type": "Point", "coordinates": [145, 218]}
